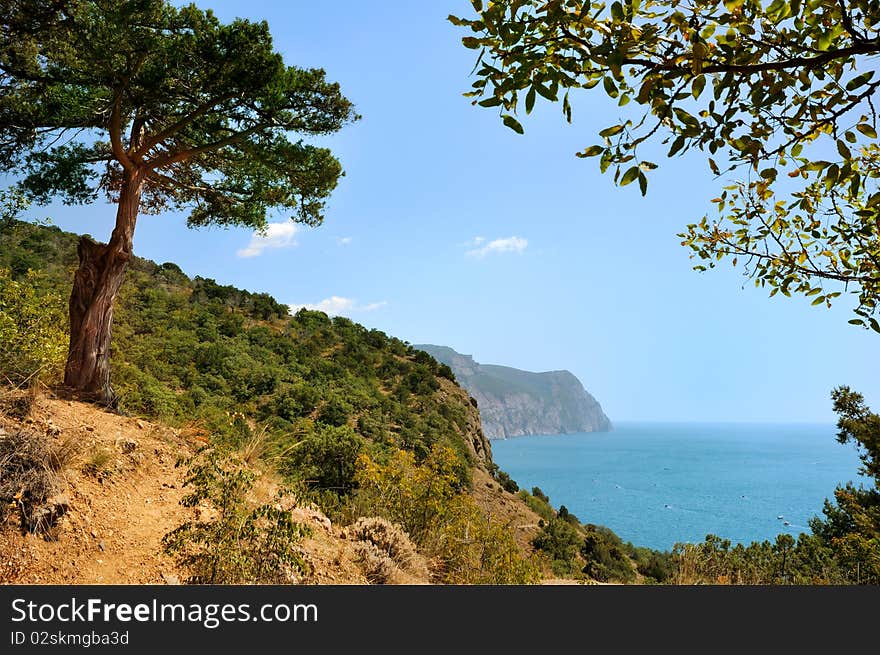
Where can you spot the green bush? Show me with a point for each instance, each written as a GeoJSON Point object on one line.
{"type": "Point", "coordinates": [605, 556]}
{"type": "Point", "coordinates": [324, 459]}
{"type": "Point", "coordinates": [560, 541]}
{"type": "Point", "coordinates": [33, 329]}
{"type": "Point", "coordinates": [232, 541]}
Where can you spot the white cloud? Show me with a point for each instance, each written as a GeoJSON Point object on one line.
{"type": "Point", "coordinates": [496, 246]}
{"type": "Point", "coordinates": [343, 241]}
{"type": "Point", "coordinates": [336, 305]}
{"type": "Point", "coordinates": [277, 235]}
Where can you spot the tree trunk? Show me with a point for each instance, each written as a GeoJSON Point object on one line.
{"type": "Point", "coordinates": [95, 286]}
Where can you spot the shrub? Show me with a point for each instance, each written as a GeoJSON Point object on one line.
{"type": "Point", "coordinates": [560, 541]}
{"type": "Point", "coordinates": [444, 522]}
{"type": "Point", "coordinates": [33, 335]}
{"type": "Point", "coordinates": [605, 556]}
{"type": "Point", "coordinates": [325, 459]}
{"type": "Point", "coordinates": [232, 541]}
{"type": "Point", "coordinates": [384, 550]}
{"type": "Point", "coordinates": [27, 476]}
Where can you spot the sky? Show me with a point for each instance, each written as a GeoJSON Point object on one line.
{"type": "Point", "coordinates": [451, 229]}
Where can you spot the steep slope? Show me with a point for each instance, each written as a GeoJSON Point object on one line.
{"type": "Point", "coordinates": [189, 350]}
{"type": "Point", "coordinates": [117, 513]}
{"type": "Point", "coordinates": [514, 403]}
{"type": "Point", "coordinates": [309, 398]}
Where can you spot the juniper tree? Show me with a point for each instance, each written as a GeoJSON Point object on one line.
{"type": "Point", "coordinates": [159, 108]}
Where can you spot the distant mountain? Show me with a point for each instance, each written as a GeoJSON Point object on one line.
{"type": "Point", "coordinates": [516, 403]}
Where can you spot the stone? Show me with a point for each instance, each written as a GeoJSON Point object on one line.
{"type": "Point", "coordinates": [126, 445]}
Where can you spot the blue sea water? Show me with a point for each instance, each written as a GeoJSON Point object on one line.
{"type": "Point", "coordinates": [656, 484]}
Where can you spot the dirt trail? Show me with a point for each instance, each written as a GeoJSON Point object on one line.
{"type": "Point", "coordinates": [124, 492]}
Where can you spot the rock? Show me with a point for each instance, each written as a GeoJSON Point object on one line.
{"type": "Point", "coordinates": [141, 425]}
{"type": "Point", "coordinates": [514, 403]}
{"type": "Point", "coordinates": [101, 545]}
{"type": "Point", "coordinates": [170, 578]}
{"type": "Point", "coordinates": [126, 445]}
{"type": "Point", "coordinates": [312, 516]}
{"type": "Point", "coordinates": [45, 517]}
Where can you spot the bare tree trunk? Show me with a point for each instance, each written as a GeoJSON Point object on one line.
{"type": "Point", "coordinates": [95, 286]}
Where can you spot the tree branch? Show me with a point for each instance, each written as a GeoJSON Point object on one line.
{"type": "Point", "coordinates": [861, 48]}
{"type": "Point", "coordinates": [116, 135]}
{"type": "Point", "coordinates": [183, 155]}
{"type": "Point", "coordinates": [171, 130]}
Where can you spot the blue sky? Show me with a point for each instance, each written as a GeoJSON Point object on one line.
{"type": "Point", "coordinates": [449, 228]}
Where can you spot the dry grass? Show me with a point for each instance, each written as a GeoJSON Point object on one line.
{"type": "Point", "coordinates": [27, 476]}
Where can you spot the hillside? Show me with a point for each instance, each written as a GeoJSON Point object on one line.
{"type": "Point", "coordinates": [324, 407]}
{"type": "Point", "coordinates": [515, 403]}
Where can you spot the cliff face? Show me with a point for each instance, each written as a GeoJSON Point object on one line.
{"type": "Point", "coordinates": [515, 403]}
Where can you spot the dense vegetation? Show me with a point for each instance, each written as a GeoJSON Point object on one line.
{"type": "Point", "coordinates": [844, 546]}
{"type": "Point", "coordinates": [339, 410]}
{"type": "Point", "coordinates": [587, 551]}
{"type": "Point", "coordinates": [365, 425]}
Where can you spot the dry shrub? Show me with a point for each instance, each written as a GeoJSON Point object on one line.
{"type": "Point", "coordinates": [27, 479]}
{"type": "Point", "coordinates": [376, 565]}
{"type": "Point", "coordinates": [385, 551]}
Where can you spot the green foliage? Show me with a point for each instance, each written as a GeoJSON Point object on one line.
{"type": "Point", "coordinates": [503, 478]}
{"type": "Point", "coordinates": [844, 547]}
{"type": "Point", "coordinates": [232, 541]}
{"type": "Point", "coordinates": [538, 502]}
{"type": "Point", "coordinates": [428, 501]}
{"type": "Point", "coordinates": [96, 94]}
{"type": "Point", "coordinates": [325, 459]}
{"type": "Point", "coordinates": [561, 542]}
{"type": "Point", "coordinates": [194, 350]}
{"type": "Point", "coordinates": [780, 94]}
{"type": "Point", "coordinates": [655, 566]}
{"type": "Point", "coordinates": [33, 337]}
{"type": "Point", "coordinates": [606, 556]}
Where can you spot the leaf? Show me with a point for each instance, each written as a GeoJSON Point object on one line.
{"type": "Point", "coordinates": [490, 102]}
{"type": "Point", "coordinates": [631, 174]}
{"type": "Point", "coordinates": [856, 82]}
{"type": "Point", "coordinates": [643, 183]}
{"type": "Point", "coordinates": [611, 131]}
{"type": "Point", "coordinates": [530, 100]}
{"type": "Point", "coordinates": [512, 123]}
{"type": "Point", "coordinates": [610, 87]}
{"type": "Point", "coordinates": [698, 85]}
{"type": "Point", "coordinates": [592, 151]}
{"type": "Point", "coordinates": [843, 150]}
{"type": "Point", "coordinates": [867, 130]}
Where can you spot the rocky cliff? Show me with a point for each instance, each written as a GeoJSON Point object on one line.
{"type": "Point", "coordinates": [515, 403]}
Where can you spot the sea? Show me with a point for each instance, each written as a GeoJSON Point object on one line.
{"type": "Point", "coordinates": [656, 484]}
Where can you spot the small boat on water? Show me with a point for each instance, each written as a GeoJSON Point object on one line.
{"type": "Point", "coordinates": [780, 517]}
{"type": "Point", "coordinates": [786, 523]}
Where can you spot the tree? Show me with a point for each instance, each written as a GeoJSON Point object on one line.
{"type": "Point", "coordinates": [159, 108]}
{"type": "Point", "coordinates": [780, 94]}
{"type": "Point", "coordinates": [851, 527]}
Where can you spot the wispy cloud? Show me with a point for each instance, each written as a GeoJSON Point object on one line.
{"type": "Point", "coordinates": [336, 305]}
{"type": "Point", "coordinates": [481, 247]}
{"type": "Point", "coordinates": [277, 235]}
{"type": "Point", "coordinates": [343, 241]}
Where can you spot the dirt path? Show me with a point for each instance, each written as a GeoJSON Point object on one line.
{"type": "Point", "coordinates": [124, 493]}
